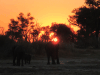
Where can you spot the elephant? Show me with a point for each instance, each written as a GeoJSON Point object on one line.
{"type": "Point", "coordinates": [18, 53]}
{"type": "Point", "coordinates": [27, 58]}
{"type": "Point", "coordinates": [52, 51]}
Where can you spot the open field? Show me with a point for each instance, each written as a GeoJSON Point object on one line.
{"type": "Point", "coordinates": [67, 66]}
{"type": "Point", "coordinates": [72, 62]}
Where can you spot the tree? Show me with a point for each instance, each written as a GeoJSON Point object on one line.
{"type": "Point", "coordinates": [87, 18]}
{"type": "Point", "coordinates": [35, 33]}
{"type": "Point", "coordinates": [63, 32]}
{"type": "Point", "coordinates": [92, 3]}
{"type": "Point", "coordinates": [19, 29]}
{"type": "Point", "coordinates": [2, 30]}
{"type": "Point", "coordinates": [45, 36]}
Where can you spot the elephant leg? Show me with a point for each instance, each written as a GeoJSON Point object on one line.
{"type": "Point", "coordinates": [29, 61]}
{"type": "Point", "coordinates": [57, 59]}
{"type": "Point", "coordinates": [14, 58]}
{"type": "Point", "coordinates": [18, 61]}
{"type": "Point", "coordinates": [53, 60]}
{"type": "Point", "coordinates": [25, 60]}
{"type": "Point", "coordinates": [22, 62]}
{"type": "Point", "coordinates": [48, 57]}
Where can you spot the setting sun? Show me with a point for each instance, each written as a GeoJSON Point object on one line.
{"type": "Point", "coordinates": [55, 39]}
{"type": "Point", "coordinates": [44, 12]}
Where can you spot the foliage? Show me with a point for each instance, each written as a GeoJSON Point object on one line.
{"type": "Point", "coordinates": [88, 19]}
{"type": "Point", "coordinates": [19, 29]}
{"type": "Point", "coordinates": [63, 32]}
{"type": "Point", "coordinates": [1, 30]}
{"type": "Point", "coordinates": [93, 2]}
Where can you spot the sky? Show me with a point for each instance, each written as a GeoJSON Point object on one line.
{"type": "Point", "coordinates": [44, 11]}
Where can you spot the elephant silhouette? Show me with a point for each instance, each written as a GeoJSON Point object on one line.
{"type": "Point", "coordinates": [27, 58]}
{"type": "Point", "coordinates": [18, 53]}
{"type": "Point", "coordinates": [52, 51]}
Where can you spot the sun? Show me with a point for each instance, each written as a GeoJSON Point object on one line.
{"type": "Point", "coordinates": [55, 39]}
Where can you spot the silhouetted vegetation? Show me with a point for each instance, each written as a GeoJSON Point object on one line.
{"type": "Point", "coordinates": [24, 31]}
{"type": "Point", "coordinates": [88, 19]}
{"type": "Point", "coordinates": [63, 32]}
{"type": "Point", "coordinates": [19, 29]}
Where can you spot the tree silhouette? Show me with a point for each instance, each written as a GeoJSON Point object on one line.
{"type": "Point", "coordinates": [88, 19]}
{"type": "Point", "coordinates": [45, 36]}
{"type": "Point", "coordinates": [35, 33]}
{"type": "Point", "coordinates": [92, 2]}
{"type": "Point", "coordinates": [19, 29]}
{"type": "Point", "coordinates": [13, 29]}
{"type": "Point", "coordinates": [2, 30]}
{"type": "Point", "coordinates": [63, 32]}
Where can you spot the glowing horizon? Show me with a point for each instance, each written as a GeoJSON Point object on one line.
{"type": "Point", "coordinates": [45, 12]}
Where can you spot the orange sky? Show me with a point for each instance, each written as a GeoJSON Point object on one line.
{"type": "Point", "coordinates": [44, 11]}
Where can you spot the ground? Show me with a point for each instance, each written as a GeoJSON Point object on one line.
{"type": "Point", "coordinates": [67, 66]}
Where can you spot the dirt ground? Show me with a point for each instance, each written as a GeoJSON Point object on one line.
{"type": "Point", "coordinates": [67, 66]}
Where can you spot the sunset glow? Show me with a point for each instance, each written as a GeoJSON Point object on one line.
{"type": "Point", "coordinates": [44, 11]}
{"type": "Point", "coordinates": [75, 28]}
{"type": "Point", "coordinates": [51, 34]}
{"type": "Point", "coordinates": [55, 39]}
{"type": "Point", "coordinates": [41, 33]}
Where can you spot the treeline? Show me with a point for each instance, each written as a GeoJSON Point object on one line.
{"type": "Point", "coordinates": [25, 31]}
{"type": "Point", "coordinates": [24, 28]}
{"type": "Point", "coordinates": [87, 17]}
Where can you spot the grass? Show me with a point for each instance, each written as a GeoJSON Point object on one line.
{"type": "Point", "coordinates": [91, 53]}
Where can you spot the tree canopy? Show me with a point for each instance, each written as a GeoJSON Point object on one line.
{"type": "Point", "coordinates": [87, 18]}
{"type": "Point", "coordinates": [63, 32]}
{"type": "Point", "coordinates": [19, 28]}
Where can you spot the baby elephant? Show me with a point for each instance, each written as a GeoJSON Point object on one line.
{"type": "Point", "coordinates": [27, 58]}
{"type": "Point", "coordinates": [18, 54]}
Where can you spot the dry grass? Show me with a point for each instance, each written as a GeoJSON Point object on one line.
{"type": "Point", "coordinates": [91, 53]}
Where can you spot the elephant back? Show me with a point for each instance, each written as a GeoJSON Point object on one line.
{"type": "Point", "coordinates": [50, 46]}
{"type": "Point", "coordinates": [18, 50]}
